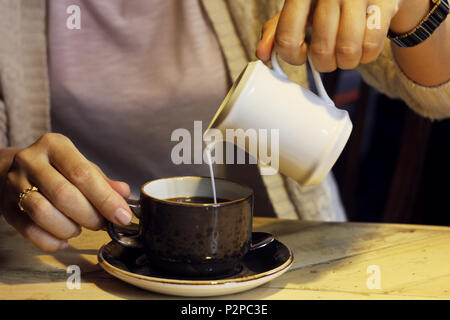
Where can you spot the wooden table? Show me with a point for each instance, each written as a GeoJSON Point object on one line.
{"type": "Point", "coordinates": [332, 261]}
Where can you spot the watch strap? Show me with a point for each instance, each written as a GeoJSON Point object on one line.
{"type": "Point", "coordinates": [426, 27]}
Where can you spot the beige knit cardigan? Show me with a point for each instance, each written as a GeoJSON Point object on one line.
{"type": "Point", "coordinates": [24, 84]}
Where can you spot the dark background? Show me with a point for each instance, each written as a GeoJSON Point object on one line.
{"type": "Point", "coordinates": [385, 126]}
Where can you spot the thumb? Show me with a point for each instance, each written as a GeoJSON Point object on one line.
{"type": "Point", "coordinates": [265, 45]}
{"type": "Point", "coordinates": [120, 187]}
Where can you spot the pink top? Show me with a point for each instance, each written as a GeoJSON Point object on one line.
{"type": "Point", "coordinates": [134, 72]}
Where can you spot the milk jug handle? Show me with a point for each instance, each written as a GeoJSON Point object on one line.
{"type": "Point", "coordinates": [316, 75]}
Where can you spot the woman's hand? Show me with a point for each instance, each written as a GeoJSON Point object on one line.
{"type": "Point", "coordinates": [73, 193]}
{"type": "Point", "coordinates": [341, 35]}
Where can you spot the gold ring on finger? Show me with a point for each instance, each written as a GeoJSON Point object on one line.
{"type": "Point", "coordinates": [23, 194]}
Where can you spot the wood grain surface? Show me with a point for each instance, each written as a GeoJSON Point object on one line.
{"type": "Point", "coordinates": [331, 261]}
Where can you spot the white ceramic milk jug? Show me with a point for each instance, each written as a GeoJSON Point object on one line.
{"type": "Point", "coordinates": [312, 132]}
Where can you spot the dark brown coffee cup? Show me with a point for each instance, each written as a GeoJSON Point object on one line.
{"type": "Point", "coordinates": [183, 232]}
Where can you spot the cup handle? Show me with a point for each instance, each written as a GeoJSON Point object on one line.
{"type": "Point", "coordinates": [316, 75]}
{"type": "Point", "coordinates": [128, 237]}
{"type": "Point", "coordinates": [260, 240]}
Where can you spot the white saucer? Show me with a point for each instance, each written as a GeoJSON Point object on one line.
{"type": "Point", "coordinates": [258, 267]}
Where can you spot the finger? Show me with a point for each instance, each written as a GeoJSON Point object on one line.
{"type": "Point", "coordinates": [41, 211]}
{"type": "Point", "coordinates": [34, 165]}
{"type": "Point", "coordinates": [379, 15]}
{"type": "Point", "coordinates": [351, 34]}
{"type": "Point", "coordinates": [86, 178]}
{"type": "Point", "coordinates": [290, 33]}
{"type": "Point", "coordinates": [70, 200]}
{"type": "Point", "coordinates": [31, 231]}
{"type": "Point", "coordinates": [120, 187]}
{"type": "Point", "coordinates": [36, 235]}
{"type": "Point", "coordinates": [45, 215]}
{"type": "Point", "coordinates": [62, 195]}
{"type": "Point", "coordinates": [324, 31]}
{"type": "Point", "coordinates": [265, 45]}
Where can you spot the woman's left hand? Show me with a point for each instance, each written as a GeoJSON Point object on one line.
{"type": "Point", "coordinates": [345, 33]}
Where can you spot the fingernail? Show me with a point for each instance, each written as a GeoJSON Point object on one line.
{"type": "Point", "coordinates": [122, 216]}
{"type": "Point", "coordinates": [64, 245]}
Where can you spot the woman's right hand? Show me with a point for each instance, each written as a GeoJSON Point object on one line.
{"type": "Point", "coordinates": [73, 193]}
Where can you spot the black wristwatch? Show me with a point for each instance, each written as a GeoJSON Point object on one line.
{"type": "Point", "coordinates": [426, 27]}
